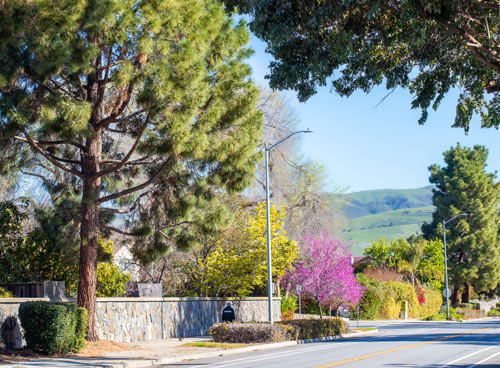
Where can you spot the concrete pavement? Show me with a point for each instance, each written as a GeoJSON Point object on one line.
{"type": "Point", "coordinates": [154, 353]}
{"type": "Point", "coordinates": [398, 345]}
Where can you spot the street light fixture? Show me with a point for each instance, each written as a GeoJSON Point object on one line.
{"type": "Point", "coordinates": [446, 290]}
{"type": "Point", "coordinates": [269, 264]}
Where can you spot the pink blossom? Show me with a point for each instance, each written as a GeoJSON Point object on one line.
{"type": "Point", "coordinates": [325, 272]}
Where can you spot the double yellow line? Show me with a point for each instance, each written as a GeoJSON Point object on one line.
{"type": "Point", "coordinates": [383, 352]}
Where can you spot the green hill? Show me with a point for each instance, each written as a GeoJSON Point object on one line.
{"type": "Point", "coordinates": [389, 225]}
{"type": "Point", "coordinates": [371, 202]}
{"type": "Point", "coordinates": [387, 213]}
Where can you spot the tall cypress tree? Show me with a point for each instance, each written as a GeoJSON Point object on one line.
{"type": "Point", "coordinates": [464, 186]}
{"type": "Point", "coordinates": [142, 102]}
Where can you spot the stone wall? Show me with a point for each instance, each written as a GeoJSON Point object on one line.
{"type": "Point", "coordinates": [142, 319]}
{"type": "Point", "coordinates": [10, 326]}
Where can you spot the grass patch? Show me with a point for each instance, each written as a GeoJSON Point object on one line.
{"type": "Point", "coordinates": [211, 344]}
{"type": "Point", "coordinates": [363, 329]}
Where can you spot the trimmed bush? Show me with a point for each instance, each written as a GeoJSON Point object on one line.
{"type": "Point", "coordinates": [433, 302]}
{"type": "Point", "coordinates": [404, 292]}
{"type": "Point", "coordinates": [388, 309]}
{"type": "Point", "coordinates": [248, 333]}
{"type": "Point", "coordinates": [494, 312]}
{"type": "Point", "coordinates": [81, 329]}
{"type": "Point", "coordinates": [313, 328]}
{"type": "Point", "coordinates": [53, 328]}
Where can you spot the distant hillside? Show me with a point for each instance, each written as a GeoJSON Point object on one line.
{"type": "Point", "coordinates": [388, 213]}
{"type": "Point", "coordinates": [371, 202]}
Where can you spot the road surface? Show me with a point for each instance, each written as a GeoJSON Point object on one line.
{"type": "Point", "coordinates": [398, 345]}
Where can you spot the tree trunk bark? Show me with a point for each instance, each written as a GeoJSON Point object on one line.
{"type": "Point", "coordinates": [320, 311]}
{"type": "Point", "coordinates": [455, 296]}
{"type": "Point", "coordinates": [89, 232]}
{"type": "Point", "coordinates": [466, 294]}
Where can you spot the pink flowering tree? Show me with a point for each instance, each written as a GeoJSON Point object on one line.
{"type": "Point", "coordinates": [325, 272]}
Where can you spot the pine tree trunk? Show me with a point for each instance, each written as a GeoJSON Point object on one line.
{"type": "Point", "coordinates": [466, 294]}
{"type": "Point", "coordinates": [89, 232]}
{"type": "Point", "coordinates": [455, 296]}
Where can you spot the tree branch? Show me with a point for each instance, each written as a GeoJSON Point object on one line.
{"type": "Point", "coordinates": [136, 188]}
{"type": "Point", "coordinates": [45, 154]}
{"type": "Point", "coordinates": [34, 174]}
{"type": "Point", "coordinates": [115, 229]}
{"type": "Point", "coordinates": [50, 143]}
{"type": "Point", "coordinates": [127, 157]}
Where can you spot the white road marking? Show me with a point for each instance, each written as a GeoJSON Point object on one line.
{"type": "Point", "coordinates": [466, 356]}
{"type": "Point", "coordinates": [282, 354]}
{"type": "Point", "coordinates": [484, 360]}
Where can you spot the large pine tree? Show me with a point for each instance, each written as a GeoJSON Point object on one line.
{"type": "Point", "coordinates": [143, 102]}
{"type": "Point", "coordinates": [464, 186]}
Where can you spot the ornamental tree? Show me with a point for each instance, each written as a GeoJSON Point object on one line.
{"type": "Point", "coordinates": [464, 186]}
{"type": "Point", "coordinates": [325, 272]}
{"type": "Point", "coordinates": [148, 106]}
{"type": "Point", "coordinates": [238, 264]}
{"type": "Point", "coordinates": [425, 46]}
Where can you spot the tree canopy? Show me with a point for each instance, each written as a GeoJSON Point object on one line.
{"type": "Point", "coordinates": [426, 46]}
{"type": "Point", "coordinates": [147, 105]}
{"type": "Point", "coordinates": [464, 186]}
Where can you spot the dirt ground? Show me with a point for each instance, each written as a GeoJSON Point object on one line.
{"type": "Point", "coordinates": [91, 349]}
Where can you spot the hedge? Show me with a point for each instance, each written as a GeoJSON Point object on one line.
{"type": "Point", "coordinates": [53, 328]}
{"type": "Point", "coordinates": [313, 328]}
{"type": "Point", "coordinates": [385, 300]}
{"type": "Point", "coordinates": [433, 302]}
{"type": "Point", "coordinates": [388, 309]}
{"type": "Point", "coordinates": [249, 333]}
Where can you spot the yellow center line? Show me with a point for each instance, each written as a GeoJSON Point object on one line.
{"type": "Point", "coordinates": [382, 352]}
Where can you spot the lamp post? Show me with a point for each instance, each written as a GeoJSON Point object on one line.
{"type": "Point", "coordinates": [269, 262]}
{"type": "Point", "coordinates": [446, 290]}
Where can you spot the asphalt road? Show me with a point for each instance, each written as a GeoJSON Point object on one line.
{"type": "Point", "coordinates": [398, 345]}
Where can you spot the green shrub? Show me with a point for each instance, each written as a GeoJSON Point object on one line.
{"type": "Point", "coordinates": [81, 329]}
{"type": "Point", "coordinates": [248, 333]}
{"type": "Point", "coordinates": [494, 312]}
{"type": "Point", "coordinates": [370, 302]}
{"type": "Point", "coordinates": [404, 292]}
{"type": "Point", "coordinates": [454, 316]}
{"type": "Point", "coordinates": [111, 280]}
{"type": "Point", "coordinates": [51, 328]}
{"type": "Point", "coordinates": [433, 302]}
{"type": "Point", "coordinates": [288, 307]}
{"type": "Point", "coordinates": [388, 309]}
{"type": "Point", "coordinates": [313, 328]}
{"type": "Point", "coordinates": [5, 294]}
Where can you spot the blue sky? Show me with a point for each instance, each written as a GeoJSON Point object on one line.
{"type": "Point", "coordinates": [364, 146]}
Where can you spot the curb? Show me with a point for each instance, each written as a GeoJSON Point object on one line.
{"type": "Point", "coordinates": [337, 337]}
{"type": "Point", "coordinates": [211, 354]}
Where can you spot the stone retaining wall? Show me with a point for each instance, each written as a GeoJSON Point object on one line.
{"type": "Point", "coordinates": [143, 319]}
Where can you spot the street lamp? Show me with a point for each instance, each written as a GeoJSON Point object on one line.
{"type": "Point", "coordinates": [446, 290]}
{"type": "Point", "coordinates": [269, 264]}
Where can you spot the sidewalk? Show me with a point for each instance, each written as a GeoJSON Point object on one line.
{"type": "Point", "coordinates": [149, 353]}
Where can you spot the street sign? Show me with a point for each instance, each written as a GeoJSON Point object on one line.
{"type": "Point", "coordinates": [446, 293]}
{"type": "Point", "coordinates": [299, 289]}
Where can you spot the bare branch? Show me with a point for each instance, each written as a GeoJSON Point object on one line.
{"type": "Point", "coordinates": [45, 154]}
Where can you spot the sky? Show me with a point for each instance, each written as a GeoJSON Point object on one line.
{"type": "Point", "coordinates": [364, 146]}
